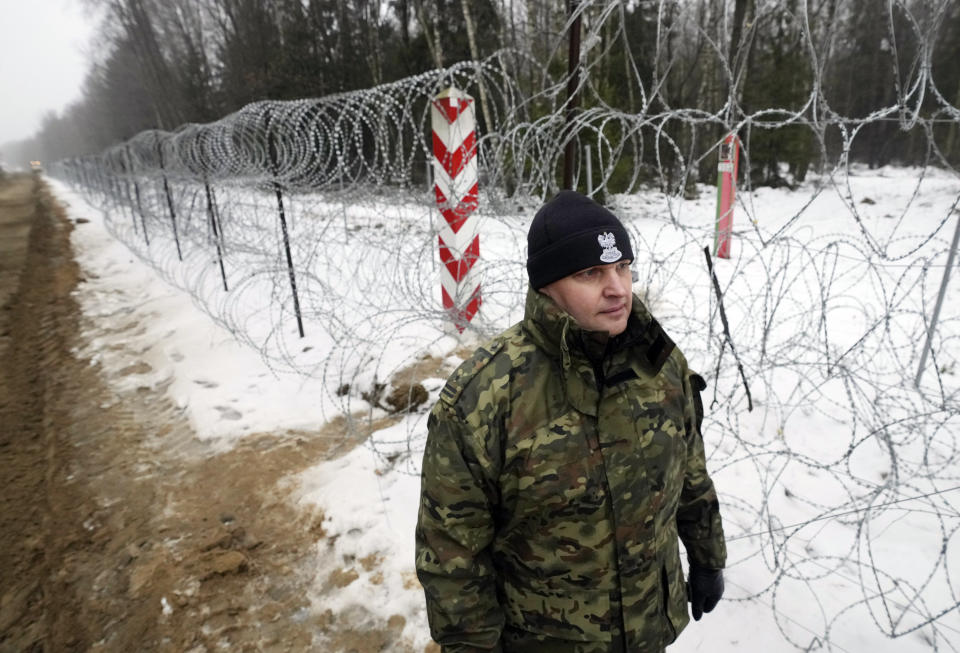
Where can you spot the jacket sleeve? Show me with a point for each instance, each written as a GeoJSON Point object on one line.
{"type": "Point", "coordinates": [698, 515]}
{"type": "Point", "coordinates": [455, 528]}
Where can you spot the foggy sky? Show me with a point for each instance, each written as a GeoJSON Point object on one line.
{"type": "Point", "coordinates": [45, 50]}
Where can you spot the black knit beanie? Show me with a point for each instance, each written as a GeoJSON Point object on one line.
{"type": "Point", "coordinates": [570, 233]}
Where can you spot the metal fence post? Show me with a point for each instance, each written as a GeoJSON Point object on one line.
{"type": "Point", "coordinates": [166, 190]}
{"type": "Point", "coordinates": [283, 226]}
{"type": "Point", "coordinates": [211, 211]}
{"type": "Point", "coordinates": [936, 309]}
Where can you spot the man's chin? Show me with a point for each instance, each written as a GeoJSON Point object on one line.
{"type": "Point", "coordinates": [615, 326]}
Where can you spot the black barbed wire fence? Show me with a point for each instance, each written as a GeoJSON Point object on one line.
{"type": "Point", "coordinates": [308, 229]}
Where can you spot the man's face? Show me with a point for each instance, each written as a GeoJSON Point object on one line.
{"type": "Point", "coordinates": [598, 298]}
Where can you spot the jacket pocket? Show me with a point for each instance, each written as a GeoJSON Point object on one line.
{"type": "Point", "coordinates": [571, 614]}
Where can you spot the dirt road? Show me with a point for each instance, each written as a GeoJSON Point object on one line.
{"type": "Point", "coordinates": [118, 531]}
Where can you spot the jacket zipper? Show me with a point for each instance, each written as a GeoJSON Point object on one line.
{"type": "Point", "coordinates": [613, 519]}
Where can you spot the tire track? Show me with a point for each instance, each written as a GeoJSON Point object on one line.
{"type": "Point", "coordinates": [119, 530]}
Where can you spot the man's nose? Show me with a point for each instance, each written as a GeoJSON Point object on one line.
{"type": "Point", "coordinates": [612, 283]}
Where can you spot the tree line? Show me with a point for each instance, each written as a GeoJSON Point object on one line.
{"type": "Point", "coordinates": [875, 81]}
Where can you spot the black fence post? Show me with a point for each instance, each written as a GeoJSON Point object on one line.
{"type": "Point", "coordinates": [726, 332]}
{"type": "Point", "coordinates": [114, 186]}
{"type": "Point", "coordinates": [211, 211]}
{"type": "Point", "coordinates": [125, 168]}
{"type": "Point", "coordinates": [102, 182]}
{"type": "Point", "coordinates": [166, 190]}
{"type": "Point", "coordinates": [286, 247]}
{"type": "Point", "coordinates": [85, 177]}
{"type": "Point", "coordinates": [136, 192]}
{"type": "Point", "coordinates": [283, 224]}
{"type": "Point", "coordinates": [143, 219]}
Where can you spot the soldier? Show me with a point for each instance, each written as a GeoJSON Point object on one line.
{"type": "Point", "coordinates": [563, 462]}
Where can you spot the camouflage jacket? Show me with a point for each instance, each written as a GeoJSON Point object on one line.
{"type": "Point", "coordinates": [554, 490]}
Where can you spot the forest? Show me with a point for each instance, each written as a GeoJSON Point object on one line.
{"type": "Point", "coordinates": [800, 75]}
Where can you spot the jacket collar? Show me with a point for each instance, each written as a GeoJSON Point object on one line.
{"type": "Point", "coordinates": [558, 334]}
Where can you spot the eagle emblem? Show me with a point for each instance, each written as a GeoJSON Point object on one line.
{"type": "Point", "coordinates": [610, 252]}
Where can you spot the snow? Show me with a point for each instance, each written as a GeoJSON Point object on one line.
{"type": "Point", "coordinates": [373, 508]}
{"type": "Point", "coordinates": [221, 384]}
{"type": "Point", "coordinates": [840, 491]}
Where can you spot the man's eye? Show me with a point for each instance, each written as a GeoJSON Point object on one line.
{"type": "Point", "coordinates": [586, 274]}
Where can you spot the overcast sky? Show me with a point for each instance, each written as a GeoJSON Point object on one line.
{"type": "Point", "coordinates": [45, 50]}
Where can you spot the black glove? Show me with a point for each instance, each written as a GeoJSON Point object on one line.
{"type": "Point", "coordinates": [704, 589]}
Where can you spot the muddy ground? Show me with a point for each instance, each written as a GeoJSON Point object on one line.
{"type": "Point", "coordinates": [118, 531]}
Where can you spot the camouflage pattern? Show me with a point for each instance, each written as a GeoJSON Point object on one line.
{"type": "Point", "coordinates": [554, 492]}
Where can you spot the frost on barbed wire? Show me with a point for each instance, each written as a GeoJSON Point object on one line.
{"type": "Point", "coordinates": [349, 173]}
{"type": "Point", "coordinates": [829, 296]}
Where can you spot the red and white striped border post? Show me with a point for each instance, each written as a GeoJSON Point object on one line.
{"type": "Point", "coordinates": [726, 191]}
{"type": "Point", "coordinates": [456, 187]}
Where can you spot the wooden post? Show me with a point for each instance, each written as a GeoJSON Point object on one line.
{"type": "Point", "coordinates": [456, 188]}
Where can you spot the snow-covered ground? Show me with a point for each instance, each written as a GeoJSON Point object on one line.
{"type": "Point", "coordinates": [840, 489]}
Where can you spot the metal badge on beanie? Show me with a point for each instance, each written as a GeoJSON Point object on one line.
{"type": "Point", "coordinates": [610, 252]}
